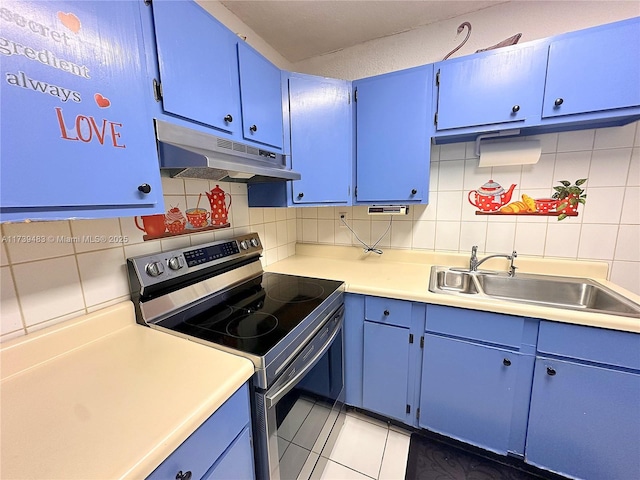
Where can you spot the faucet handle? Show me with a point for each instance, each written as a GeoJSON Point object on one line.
{"type": "Point", "coordinates": [474, 249]}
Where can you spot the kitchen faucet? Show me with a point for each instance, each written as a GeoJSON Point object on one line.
{"type": "Point", "coordinates": [474, 263]}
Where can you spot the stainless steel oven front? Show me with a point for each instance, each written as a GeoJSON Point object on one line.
{"type": "Point", "coordinates": [296, 414]}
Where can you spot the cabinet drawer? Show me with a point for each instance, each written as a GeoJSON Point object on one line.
{"type": "Point", "coordinates": [592, 344]}
{"type": "Point", "coordinates": [199, 452]}
{"type": "Point", "coordinates": [388, 311]}
{"type": "Point", "coordinates": [237, 461]}
{"type": "Point", "coordinates": [488, 327]}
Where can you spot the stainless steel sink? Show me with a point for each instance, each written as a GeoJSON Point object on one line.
{"type": "Point", "coordinates": [557, 292]}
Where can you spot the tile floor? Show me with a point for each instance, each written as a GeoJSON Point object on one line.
{"type": "Point", "coordinates": [364, 448]}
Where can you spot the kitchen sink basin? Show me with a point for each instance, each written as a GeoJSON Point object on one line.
{"type": "Point", "coordinates": [548, 291]}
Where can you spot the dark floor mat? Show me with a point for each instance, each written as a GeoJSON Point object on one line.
{"type": "Point", "coordinates": [432, 459]}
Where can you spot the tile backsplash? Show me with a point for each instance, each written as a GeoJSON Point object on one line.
{"type": "Point", "coordinates": [607, 227]}
{"type": "Point", "coordinates": [46, 283]}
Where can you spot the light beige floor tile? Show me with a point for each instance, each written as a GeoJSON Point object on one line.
{"type": "Point", "coordinates": [329, 470]}
{"type": "Point", "coordinates": [394, 461]}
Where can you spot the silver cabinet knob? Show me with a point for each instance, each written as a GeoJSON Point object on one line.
{"type": "Point", "coordinates": [154, 269]}
{"type": "Point", "coordinates": [176, 263]}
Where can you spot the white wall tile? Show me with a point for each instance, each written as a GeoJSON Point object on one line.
{"type": "Point", "coordinates": [634, 169]}
{"type": "Point", "coordinates": [615, 137]}
{"type": "Point", "coordinates": [291, 230]}
{"type": "Point", "coordinates": [37, 240]}
{"type": "Point", "coordinates": [424, 235]}
{"type": "Point", "coordinates": [238, 231]}
{"type": "Point", "coordinates": [270, 239]}
{"type": "Point", "coordinates": [530, 238]}
{"type": "Point", "coordinates": [500, 237]}
{"type": "Point", "coordinates": [363, 230]}
{"type": "Point", "coordinates": [236, 188]}
{"type": "Point", "coordinates": [146, 248]}
{"type": "Point", "coordinates": [575, 141]}
{"type": "Point", "coordinates": [309, 212]}
{"type": "Point", "coordinates": [449, 206]}
{"type": "Point", "coordinates": [309, 230]}
{"type": "Point", "coordinates": [603, 205]}
{"type": "Point", "coordinates": [103, 275]}
{"type": "Point", "coordinates": [240, 211]}
{"type": "Point", "coordinates": [172, 186]}
{"type": "Point", "coordinates": [401, 234]}
{"type": "Point", "coordinates": [48, 323]}
{"type": "Point", "coordinates": [282, 252]}
{"type": "Point", "coordinates": [451, 175]}
{"type": "Point", "coordinates": [473, 233]}
{"type": "Point", "coordinates": [270, 256]}
{"type": "Point", "coordinates": [571, 166]}
{"type": "Point", "coordinates": [196, 186]}
{"type": "Point", "coordinates": [447, 236]}
{"type": "Point", "coordinates": [609, 168]}
{"type": "Point", "coordinates": [48, 288]}
{"type": "Point", "coordinates": [475, 176]}
{"type": "Point", "coordinates": [627, 275]}
{"type": "Point", "coordinates": [628, 243]}
{"type": "Point", "coordinates": [539, 175]}
{"type": "Point", "coordinates": [270, 215]}
{"type": "Point", "coordinates": [282, 234]}
{"type": "Point", "coordinates": [10, 316]}
{"type": "Point", "coordinates": [130, 230]}
{"type": "Point", "coordinates": [328, 213]}
{"type": "Point", "coordinates": [326, 231]}
{"type": "Point", "coordinates": [631, 206]}
{"type": "Point", "coordinates": [291, 213]}
{"type": "Point", "coordinates": [548, 142]}
{"type": "Point", "coordinates": [433, 176]}
{"type": "Point", "coordinates": [175, 243]}
{"type": "Point", "coordinates": [343, 235]}
{"type": "Point", "coordinates": [281, 214]}
{"type": "Point", "coordinates": [381, 232]}
{"type": "Point", "coordinates": [453, 151]}
{"type": "Point", "coordinates": [4, 259]}
{"type": "Point", "coordinates": [597, 242]}
{"type": "Point", "coordinates": [358, 213]}
{"type": "Point", "coordinates": [86, 231]}
{"type": "Point", "coordinates": [206, 237]}
{"type": "Point", "coordinates": [562, 240]}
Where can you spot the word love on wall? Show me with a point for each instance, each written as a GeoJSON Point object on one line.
{"type": "Point", "coordinates": [193, 220]}
{"type": "Point", "coordinates": [59, 50]}
{"type": "Point", "coordinates": [493, 199]}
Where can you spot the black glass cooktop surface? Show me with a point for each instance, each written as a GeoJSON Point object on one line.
{"type": "Point", "coordinates": [258, 315]}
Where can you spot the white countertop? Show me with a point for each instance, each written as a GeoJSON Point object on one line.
{"type": "Point", "coordinates": [404, 274]}
{"type": "Point", "coordinates": [101, 397]}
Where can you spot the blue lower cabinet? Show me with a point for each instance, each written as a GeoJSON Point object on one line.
{"type": "Point", "coordinates": [469, 391]}
{"type": "Point", "coordinates": [237, 462]}
{"type": "Point", "coordinates": [353, 348]}
{"type": "Point", "coordinates": [220, 445]}
{"type": "Point", "coordinates": [385, 371]}
{"type": "Point", "coordinates": [584, 420]}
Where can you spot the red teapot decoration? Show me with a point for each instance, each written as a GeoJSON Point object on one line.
{"type": "Point", "coordinates": [219, 206]}
{"type": "Point", "coordinates": [490, 197]}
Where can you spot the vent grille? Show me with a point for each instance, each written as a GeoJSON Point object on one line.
{"type": "Point", "coordinates": [222, 143]}
{"type": "Point", "coordinates": [253, 151]}
{"type": "Point", "coordinates": [238, 147]}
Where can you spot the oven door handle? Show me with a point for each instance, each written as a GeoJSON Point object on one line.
{"type": "Point", "coordinates": [273, 398]}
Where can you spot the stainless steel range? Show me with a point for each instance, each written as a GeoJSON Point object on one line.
{"type": "Point", "coordinates": [290, 327]}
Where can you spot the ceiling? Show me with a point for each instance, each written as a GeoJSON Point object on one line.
{"type": "Point", "coordinates": [301, 29]}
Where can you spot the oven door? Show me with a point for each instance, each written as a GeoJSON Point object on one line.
{"type": "Point", "coordinates": [295, 416]}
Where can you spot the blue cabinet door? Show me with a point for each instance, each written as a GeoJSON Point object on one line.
{"type": "Point", "coordinates": [502, 86]}
{"type": "Point", "coordinates": [467, 391]}
{"type": "Point", "coordinates": [584, 420]}
{"type": "Point", "coordinates": [198, 65]}
{"type": "Point", "coordinates": [593, 71]}
{"type": "Point", "coordinates": [393, 130]}
{"type": "Point", "coordinates": [261, 97]}
{"type": "Point", "coordinates": [237, 462]}
{"type": "Point", "coordinates": [386, 370]}
{"type": "Point", "coordinates": [320, 112]}
{"type": "Point", "coordinates": [77, 139]}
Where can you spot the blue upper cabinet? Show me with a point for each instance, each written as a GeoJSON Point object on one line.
{"type": "Point", "coordinates": [595, 70]}
{"type": "Point", "coordinates": [500, 87]}
{"type": "Point", "coordinates": [261, 97]}
{"type": "Point", "coordinates": [393, 136]}
{"type": "Point", "coordinates": [320, 112]}
{"type": "Point", "coordinates": [76, 135]}
{"type": "Point", "coordinates": [198, 65]}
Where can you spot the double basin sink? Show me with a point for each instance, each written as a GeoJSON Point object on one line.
{"type": "Point", "coordinates": [548, 291]}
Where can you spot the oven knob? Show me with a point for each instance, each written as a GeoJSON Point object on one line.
{"type": "Point", "coordinates": [175, 263]}
{"type": "Point", "coordinates": [255, 242]}
{"type": "Point", "coordinates": [244, 245]}
{"type": "Point", "coordinates": [154, 269]}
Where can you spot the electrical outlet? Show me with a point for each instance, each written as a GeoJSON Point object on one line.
{"type": "Point", "coordinates": [343, 217]}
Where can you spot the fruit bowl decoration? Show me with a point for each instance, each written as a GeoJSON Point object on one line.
{"type": "Point", "coordinates": [175, 221]}
{"type": "Point", "coordinates": [569, 197]}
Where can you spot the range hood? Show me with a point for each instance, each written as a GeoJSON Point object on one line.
{"type": "Point", "coordinates": [189, 153]}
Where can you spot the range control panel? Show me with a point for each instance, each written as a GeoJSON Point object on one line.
{"type": "Point", "coordinates": [160, 267]}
